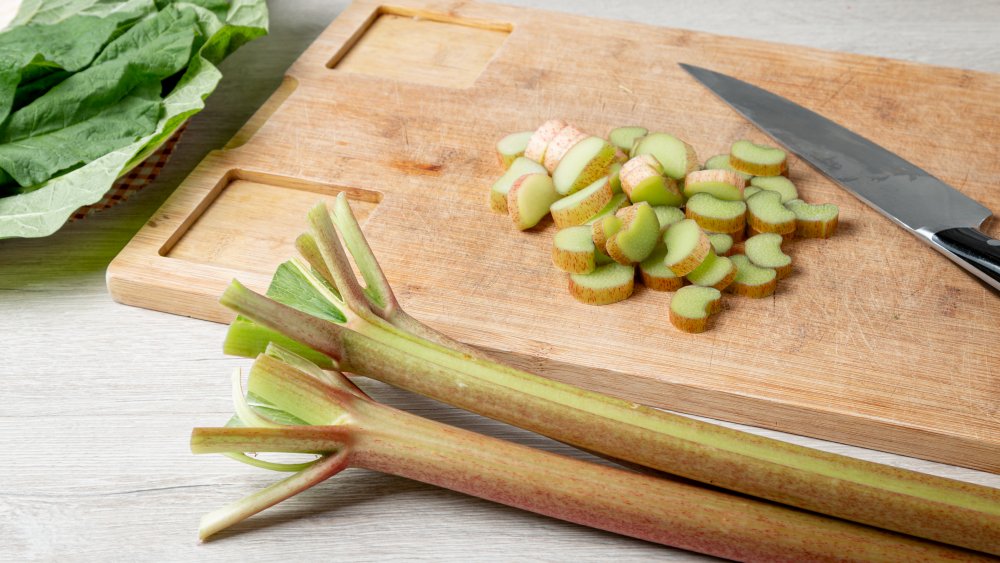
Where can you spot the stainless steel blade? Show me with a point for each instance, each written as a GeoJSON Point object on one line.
{"type": "Point", "coordinates": [898, 189]}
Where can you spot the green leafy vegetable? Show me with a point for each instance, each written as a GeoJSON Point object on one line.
{"type": "Point", "coordinates": [32, 54]}
{"type": "Point", "coordinates": [90, 88]}
{"type": "Point", "coordinates": [37, 157]}
{"type": "Point", "coordinates": [55, 11]}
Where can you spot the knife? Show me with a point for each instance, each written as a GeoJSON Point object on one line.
{"type": "Point", "coordinates": [936, 213]}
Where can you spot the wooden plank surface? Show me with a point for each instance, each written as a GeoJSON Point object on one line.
{"type": "Point", "coordinates": [98, 398]}
{"type": "Point", "coordinates": [874, 341]}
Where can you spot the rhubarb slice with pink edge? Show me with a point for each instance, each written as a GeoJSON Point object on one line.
{"type": "Point", "coordinates": [511, 147]}
{"type": "Point", "coordinates": [540, 139]}
{"type": "Point", "coordinates": [691, 306]}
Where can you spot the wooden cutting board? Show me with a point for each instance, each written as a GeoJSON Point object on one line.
{"type": "Point", "coordinates": [875, 340]}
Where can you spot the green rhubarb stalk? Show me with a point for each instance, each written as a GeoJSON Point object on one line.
{"type": "Point", "coordinates": [351, 430]}
{"type": "Point", "coordinates": [904, 501]}
{"type": "Point", "coordinates": [380, 295]}
{"type": "Point", "coordinates": [220, 519]}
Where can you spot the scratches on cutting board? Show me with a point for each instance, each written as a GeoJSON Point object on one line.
{"type": "Point", "coordinates": [850, 79]}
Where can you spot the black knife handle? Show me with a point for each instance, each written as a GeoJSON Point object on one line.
{"type": "Point", "coordinates": [974, 251]}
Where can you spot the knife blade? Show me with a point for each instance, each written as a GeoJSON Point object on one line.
{"type": "Point", "coordinates": [935, 212]}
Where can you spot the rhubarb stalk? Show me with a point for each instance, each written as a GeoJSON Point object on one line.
{"type": "Point", "coordinates": [348, 429]}
{"type": "Point", "coordinates": [366, 343]}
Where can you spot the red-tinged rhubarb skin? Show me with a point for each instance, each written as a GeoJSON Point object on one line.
{"type": "Point", "coordinates": [904, 501]}
{"type": "Point", "coordinates": [380, 438]}
{"type": "Point", "coordinates": [654, 509]}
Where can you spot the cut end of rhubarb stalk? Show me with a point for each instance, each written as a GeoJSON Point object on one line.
{"type": "Point", "coordinates": [764, 250]}
{"type": "Point", "coordinates": [779, 184]}
{"type": "Point", "coordinates": [643, 180]}
{"type": "Point", "coordinates": [722, 184]}
{"type": "Point", "coordinates": [576, 208]}
{"type": "Point", "coordinates": [638, 235]}
{"type": "Point", "coordinates": [573, 250]}
{"type": "Point", "coordinates": [677, 157]}
{"type": "Point", "coordinates": [721, 162]}
{"type": "Point", "coordinates": [722, 243]}
{"type": "Point", "coordinates": [585, 162]}
{"type": "Point", "coordinates": [607, 284]}
{"type": "Point", "coordinates": [539, 141]}
{"type": "Point", "coordinates": [519, 167]}
{"type": "Point", "coordinates": [667, 216]}
{"type": "Point", "coordinates": [656, 275]}
{"type": "Point", "coordinates": [716, 215]}
{"type": "Point", "coordinates": [814, 221]}
{"type": "Point", "coordinates": [691, 306]}
{"type": "Point", "coordinates": [511, 147]}
{"type": "Point", "coordinates": [529, 199]}
{"type": "Point", "coordinates": [766, 214]}
{"type": "Point", "coordinates": [752, 281]}
{"type": "Point", "coordinates": [687, 247]}
{"type": "Point", "coordinates": [715, 271]}
{"type": "Point", "coordinates": [625, 137]}
{"type": "Point", "coordinates": [758, 160]}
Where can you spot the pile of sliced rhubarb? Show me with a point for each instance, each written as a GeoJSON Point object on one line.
{"type": "Point", "coordinates": [641, 201]}
{"type": "Point", "coordinates": [762, 500]}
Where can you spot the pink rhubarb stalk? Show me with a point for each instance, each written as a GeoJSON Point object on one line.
{"type": "Point", "coordinates": [351, 430]}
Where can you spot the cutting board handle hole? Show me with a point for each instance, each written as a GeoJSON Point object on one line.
{"type": "Point", "coordinates": [249, 220]}
{"type": "Point", "coordinates": [420, 46]}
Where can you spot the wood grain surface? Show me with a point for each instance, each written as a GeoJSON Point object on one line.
{"type": "Point", "coordinates": [97, 399]}
{"type": "Point", "coordinates": [873, 341]}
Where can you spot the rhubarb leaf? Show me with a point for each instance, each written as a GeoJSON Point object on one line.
{"type": "Point", "coordinates": [33, 58]}
{"type": "Point", "coordinates": [149, 52]}
{"type": "Point", "coordinates": [55, 11]}
{"type": "Point", "coordinates": [176, 48]}
{"type": "Point", "coordinates": [35, 158]}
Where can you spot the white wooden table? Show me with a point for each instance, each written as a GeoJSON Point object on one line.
{"type": "Point", "coordinates": [97, 399]}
